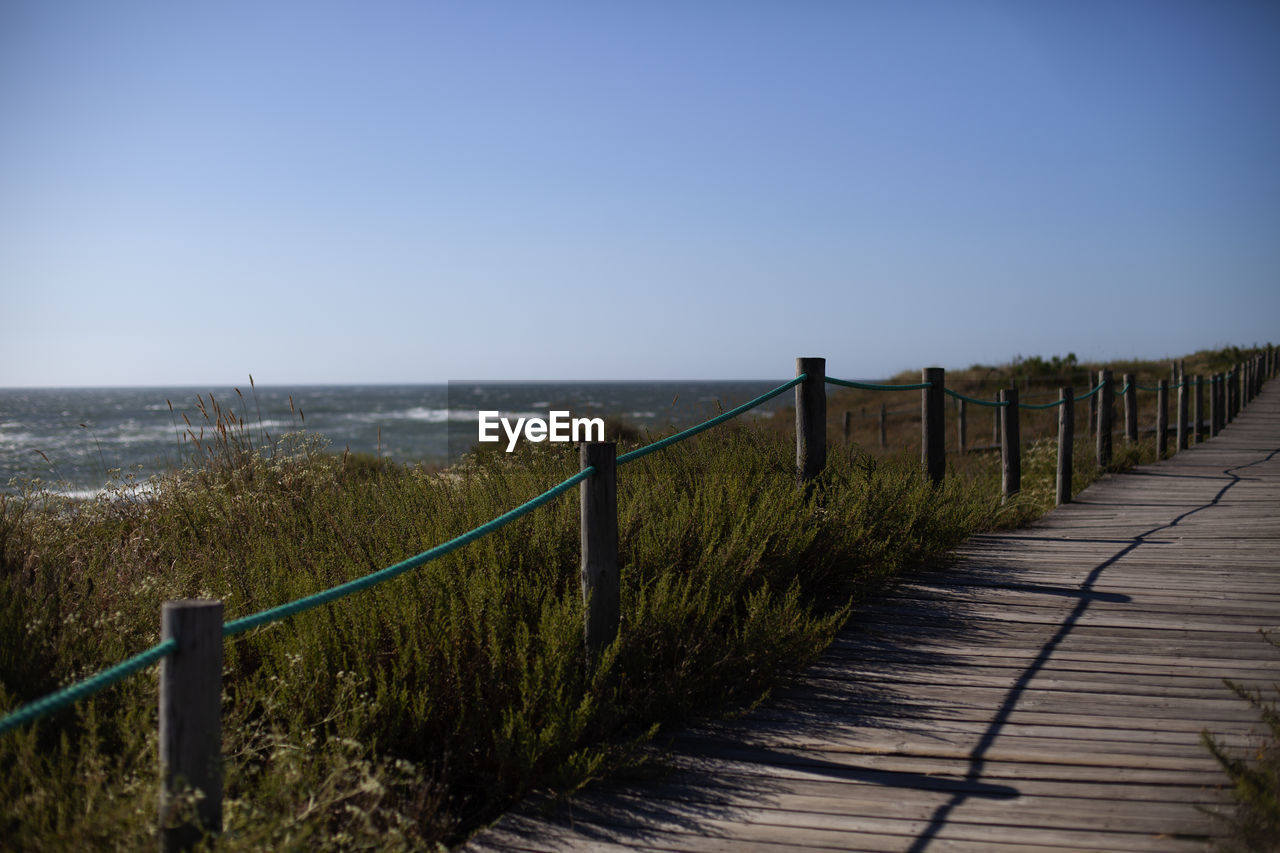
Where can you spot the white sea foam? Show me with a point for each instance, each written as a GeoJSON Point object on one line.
{"type": "Point", "coordinates": [431, 416]}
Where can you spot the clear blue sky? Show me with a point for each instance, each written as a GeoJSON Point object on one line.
{"type": "Point", "coordinates": [320, 192]}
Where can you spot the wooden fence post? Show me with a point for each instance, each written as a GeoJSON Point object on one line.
{"type": "Point", "coordinates": [1130, 407]}
{"type": "Point", "coordinates": [1162, 420]}
{"type": "Point", "coordinates": [997, 419]}
{"type": "Point", "coordinates": [933, 424]}
{"type": "Point", "coordinates": [1106, 406]}
{"type": "Point", "coordinates": [1239, 382]}
{"type": "Point", "coordinates": [962, 426]}
{"type": "Point", "coordinates": [1011, 446]}
{"type": "Point", "coordinates": [811, 420]}
{"type": "Point", "coordinates": [598, 502]}
{"type": "Point", "coordinates": [1093, 412]}
{"type": "Point", "coordinates": [1066, 443]}
{"type": "Point", "coordinates": [191, 720]}
{"type": "Point", "coordinates": [1215, 404]}
{"type": "Point", "coordinates": [884, 432]}
{"type": "Point", "coordinates": [848, 425]}
{"type": "Point", "coordinates": [1197, 431]}
{"type": "Point", "coordinates": [1228, 388]}
{"type": "Point", "coordinates": [1184, 400]}
{"type": "Point", "coordinates": [1224, 393]}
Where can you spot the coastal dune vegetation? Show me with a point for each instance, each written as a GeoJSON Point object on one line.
{"type": "Point", "coordinates": [407, 715]}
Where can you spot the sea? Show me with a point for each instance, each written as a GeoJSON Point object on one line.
{"type": "Point", "coordinates": [79, 441]}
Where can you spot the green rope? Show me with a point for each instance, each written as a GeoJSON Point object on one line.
{"type": "Point", "coordinates": [705, 425]}
{"type": "Point", "coordinates": [992, 403]}
{"type": "Point", "coordinates": [1148, 388]}
{"type": "Point", "coordinates": [869, 386]}
{"type": "Point", "coordinates": [341, 590]}
{"type": "Point", "coordinates": [1083, 397]}
{"type": "Point", "coordinates": [1041, 405]}
{"type": "Point", "coordinates": [75, 692]}
{"type": "Point", "coordinates": [1124, 390]}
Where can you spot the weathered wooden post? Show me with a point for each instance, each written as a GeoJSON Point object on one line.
{"type": "Point", "coordinates": [996, 421]}
{"type": "Point", "coordinates": [1011, 446]}
{"type": "Point", "coordinates": [962, 427]}
{"type": "Point", "coordinates": [1106, 406]}
{"type": "Point", "coordinates": [1130, 408]}
{"type": "Point", "coordinates": [1066, 443]}
{"type": "Point", "coordinates": [1233, 393]}
{"type": "Point", "coordinates": [1184, 399]}
{"type": "Point", "coordinates": [1093, 413]}
{"type": "Point", "coordinates": [1228, 396]}
{"type": "Point", "coordinates": [1162, 420]}
{"type": "Point", "coordinates": [598, 500]}
{"type": "Point", "coordinates": [933, 423]}
{"type": "Point", "coordinates": [1198, 432]}
{"type": "Point", "coordinates": [884, 432]}
{"type": "Point", "coordinates": [1215, 404]}
{"type": "Point", "coordinates": [848, 425]}
{"type": "Point", "coordinates": [1228, 388]}
{"type": "Point", "coordinates": [191, 721]}
{"type": "Point", "coordinates": [811, 419]}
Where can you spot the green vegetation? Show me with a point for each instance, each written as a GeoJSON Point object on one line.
{"type": "Point", "coordinates": [411, 713]}
{"type": "Point", "coordinates": [1254, 823]}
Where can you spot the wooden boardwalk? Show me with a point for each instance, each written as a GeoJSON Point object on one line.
{"type": "Point", "coordinates": [1046, 693]}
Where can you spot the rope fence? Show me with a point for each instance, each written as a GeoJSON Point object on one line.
{"type": "Point", "coordinates": [192, 628]}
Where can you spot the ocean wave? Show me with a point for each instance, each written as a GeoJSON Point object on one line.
{"type": "Point", "coordinates": [431, 416]}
